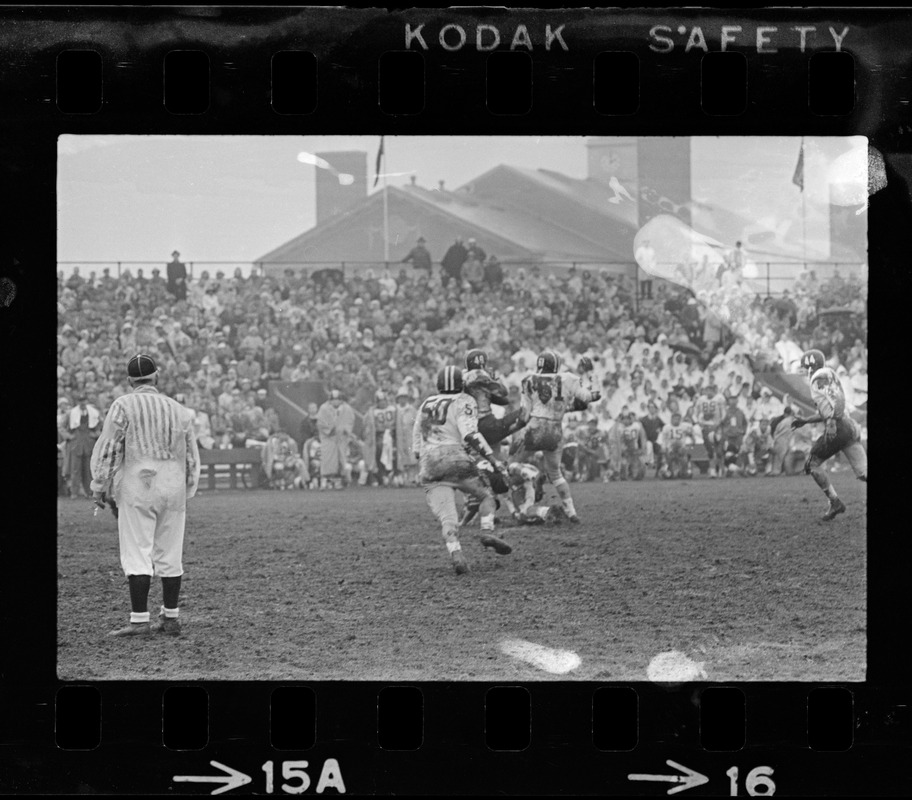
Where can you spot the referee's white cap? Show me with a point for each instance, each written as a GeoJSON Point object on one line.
{"type": "Point", "coordinates": [141, 366]}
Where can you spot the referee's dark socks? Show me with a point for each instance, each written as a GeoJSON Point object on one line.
{"type": "Point", "coordinates": [139, 592]}
{"type": "Point", "coordinates": [171, 591]}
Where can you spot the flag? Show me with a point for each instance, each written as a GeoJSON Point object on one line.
{"type": "Point", "coordinates": [379, 160]}
{"type": "Point", "coordinates": [798, 177]}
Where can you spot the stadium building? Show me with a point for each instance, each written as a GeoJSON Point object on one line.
{"type": "Point", "coordinates": [539, 216]}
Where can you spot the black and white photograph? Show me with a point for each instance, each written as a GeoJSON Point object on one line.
{"type": "Point", "coordinates": [462, 408]}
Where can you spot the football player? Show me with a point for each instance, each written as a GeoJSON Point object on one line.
{"type": "Point", "coordinates": [707, 412]}
{"type": "Point", "coordinates": [448, 445]}
{"type": "Point", "coordinates": [481, 384]}
{"type": "Point", "coordinates": [522, 486]}
{"type": "Point", "coordinates": [841, 433]}
{"type": "Point", "coordinates": [677, 439]}
{"type": "Point", "coordinates": [633, 448]}
{"type": "Point", "coordinates": [758, 447]}
{"type": "Point", "coordinates": [379, 433]}
{"type": "Point", "coordinates": [548, 395]}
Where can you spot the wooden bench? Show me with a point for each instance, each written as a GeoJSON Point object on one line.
{"type": "Point", "coordinates": [221, 464]}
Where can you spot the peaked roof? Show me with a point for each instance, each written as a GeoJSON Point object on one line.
{"type": "Point", "coordinates": [529, 214]}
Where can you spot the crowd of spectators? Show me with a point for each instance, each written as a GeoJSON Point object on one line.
{"type": "Point", "coordinates": [219, 339]}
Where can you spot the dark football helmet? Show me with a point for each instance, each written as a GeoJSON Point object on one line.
{"type": "Point", "coordinates": [548, 362]}
{"type": "Point", "coordinates": [449, 380]}
{"type": "Point", "coordinates": [813, 360]}
{"type": "Point", "coordinates": [476, 359]}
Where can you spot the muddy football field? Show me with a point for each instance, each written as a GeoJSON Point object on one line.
{"type": "Point", "coordinates": [737, 576]}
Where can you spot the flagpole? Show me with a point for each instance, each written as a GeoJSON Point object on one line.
{"type": "Point", "coordinates": [386, 221]}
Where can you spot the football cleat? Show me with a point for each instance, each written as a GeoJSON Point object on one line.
{"type": "Point", "coordinates": [499, 545]}
{"type": "Point", "coordinates": [836, 507]}
{"type": "Point", "coordinates": [133, 629]}
{"type": "Point", "coordinates": [573, 518]}
{"type": "Point", "coordinates": [460, 567]}
{"type": "Point", "coordinates": [170, 626]}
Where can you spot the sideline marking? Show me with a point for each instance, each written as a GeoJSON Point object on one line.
{"type": "Point", "coordinates": [557, 662]}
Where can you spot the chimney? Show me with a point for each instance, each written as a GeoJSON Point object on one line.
{"type": "Point", "coordinates": [332, 197]}
{"type": "Point", "coordinates": [412, 179]}
{"type": "Point", "coordinates": [440, 185]}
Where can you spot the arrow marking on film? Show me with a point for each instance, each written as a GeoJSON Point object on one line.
{"type": "Point", "coordinates": [231, 779]}
{"type": "Point", "coordinates": [688, 780]}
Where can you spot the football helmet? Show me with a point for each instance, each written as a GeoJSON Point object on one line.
{"type": "Point", "coordinates": [476, 359]}
{"type": "Point", "coordinates": [812, 360]}
{"type": "Point", "coordinates": [449, 380]}
{"type": "Point", "coordinates": [548, 362]}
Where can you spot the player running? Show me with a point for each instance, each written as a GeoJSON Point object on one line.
{"type": "Point", "coordinates": [841, 433]}
{"type": "Point", "coordinates": [448, 445]}
{"type": "Point", "coordinates": [548, 395]}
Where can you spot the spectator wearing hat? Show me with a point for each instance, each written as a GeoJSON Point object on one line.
{"type": "Point", "coordinates": [335, 423]}
{"type": "Point", "coordinates": [476, 251]}
{"type": "Point", "coordinates": [147, 461]}
{"type": "Point", "coordinates": [419, 256]}
{"type": "Point", "coordinates": [83, 431]}
{"type": "Point", "coordinates": [177, 277]}
{"type": "Point", "coordinates": [406, 461]}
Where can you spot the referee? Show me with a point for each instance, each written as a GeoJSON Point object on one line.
{"type": "Point", "coordinates": [146, 464]}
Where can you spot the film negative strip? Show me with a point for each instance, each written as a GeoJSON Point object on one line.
{"type": "Point", "coordinates": [354, 200]}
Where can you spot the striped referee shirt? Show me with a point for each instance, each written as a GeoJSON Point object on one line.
{"type": "Point", "coordinates": [141, 425]}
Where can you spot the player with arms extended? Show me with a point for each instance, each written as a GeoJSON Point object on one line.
{"type": "Point", "coordinates": [549, 394]}
{"type": "Point", "coordinates": [448, 446]}
{"type": "Point", "coordinates": [841, 433]}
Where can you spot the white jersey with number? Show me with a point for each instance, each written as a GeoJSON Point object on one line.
{"type": "Point", "coordinates": [827, 394]}
{"type": "Point", "coordinates": [438, 437]}
{"type": "Point", "coordinates": [551, 396]}
{"type": "Point", "coordinates": [677, 436]}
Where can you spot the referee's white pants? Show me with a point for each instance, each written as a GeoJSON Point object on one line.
{"type": "Point", "coordinates": [152, 508]}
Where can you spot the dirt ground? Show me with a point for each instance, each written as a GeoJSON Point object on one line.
{"type": "Point", "coordinates": [739, 575]}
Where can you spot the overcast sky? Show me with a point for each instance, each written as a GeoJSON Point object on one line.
{"type": "Point", "coordinates": [234, 198]}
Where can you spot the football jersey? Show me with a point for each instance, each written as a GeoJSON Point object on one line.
{"type": "Point", "coordinates": [708, 410]}
{"type": "Point", "coordinates": [384, 419]}
{"type": "Point", "coordinates": [521, 474]}
{"type": "Point", "coordinates": [551, 396]}
{"type": "Point", "coordinates": [677, 435]}
{"type": "Point", "coordinates": [445, 420]}
{"type": "Point", "coordinates": [633, 435]}
{"type": "Point", "coordinates": [480, 385]}
{"type": "Point", "coordinates": [827, 393]}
